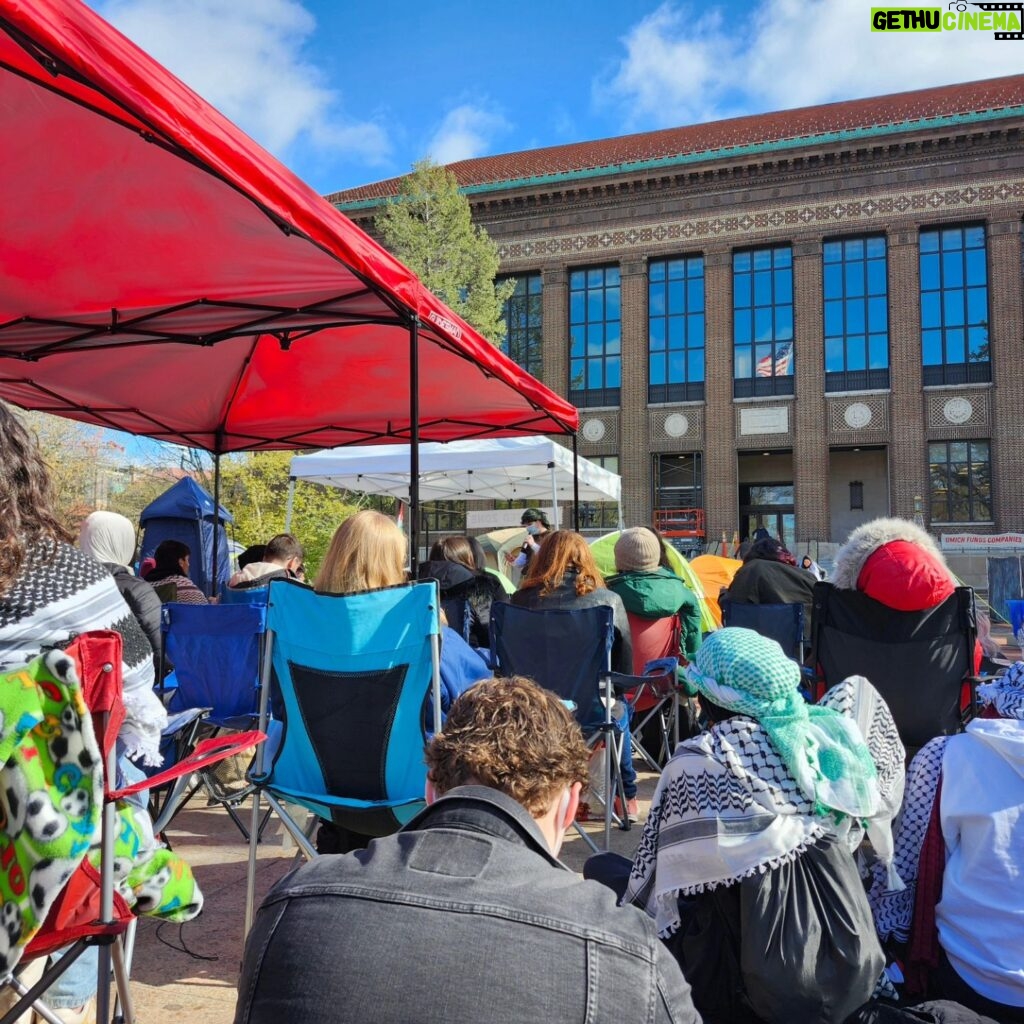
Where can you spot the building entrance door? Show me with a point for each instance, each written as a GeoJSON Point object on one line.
{"type": "Point", "coordinates": [768, 506]}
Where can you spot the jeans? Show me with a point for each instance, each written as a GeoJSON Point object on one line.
{"type": "Point", "coordinates": [77, 985]}
{"type": "Point", "coordinates": [626, 760]}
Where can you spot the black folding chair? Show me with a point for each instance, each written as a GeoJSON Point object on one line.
{"type": "Point", "coordinates": [569, 651]}
{"type": "Point", "coordinates": [920, 662]}
{"type": "Point", "coordinates": [783, 623]}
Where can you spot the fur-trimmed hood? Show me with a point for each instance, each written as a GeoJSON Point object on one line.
{"type": "Point", "coordinates": [910, 573]}
{"type": "Point", "coordinates": [868, 538]}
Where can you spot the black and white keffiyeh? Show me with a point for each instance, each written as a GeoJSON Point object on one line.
{"type": "Point", "coordinates": [727, 808]}
{"type": "Point", "coordinates": [1006, 693]}
{"type": "Point", "coordinates": [62, 592]}
{"type": "Point", "coordinates": [893, 909]}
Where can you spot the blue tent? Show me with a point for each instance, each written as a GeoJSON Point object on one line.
{"type": "Point", "coordinates": [185, 512]}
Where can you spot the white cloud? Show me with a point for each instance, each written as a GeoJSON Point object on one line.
{"type": "Point", "coordinates": [683, 65]}
{"type": "Point", "coordinates": [247, 60]}
{"type": "Point", "coordinates": [467, 131]}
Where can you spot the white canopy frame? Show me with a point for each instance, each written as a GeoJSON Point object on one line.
{"type": "Point", "coordinates": [530, 469]}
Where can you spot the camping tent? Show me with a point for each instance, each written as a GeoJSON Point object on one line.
{"type": "Point", "coordinates": [530, 469]}
{"type": "Point", "coordinates": [185, 512]}
{"type": "Point", "coordinates": [715, 572]}
{"type": "Point", "coordinates": [168, 277]}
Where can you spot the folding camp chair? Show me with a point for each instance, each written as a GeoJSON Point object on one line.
{"type": "Point", "coordinates": [569, 651]}
{"type": "Point", "coordinates": [355, 674]}
{"type": "Point", "coordinates": [921, 662]}
{"type": "Point", "coordinates": [783, 623]}
{"type": "Point", "coordinates": [215, 650]}
{"type": "Point", "coordinates": [89, 911]}
{"type": "Point", "coordinates": [655, 704]}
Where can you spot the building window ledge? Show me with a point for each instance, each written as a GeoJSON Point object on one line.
{"type": "Point", "coordinates": [851, 394]}
{"type": "Point", "coordinates": [961, 526]}
{"type": "Point", "coordinates": [696, 403]}
{"type": "Point", "coordinates": [765, 399]}
{"type": "Point", "coordinates": [980, 386]}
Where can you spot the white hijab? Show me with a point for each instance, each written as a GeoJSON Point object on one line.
{"type": "Point", "coordinates": [108, 537]}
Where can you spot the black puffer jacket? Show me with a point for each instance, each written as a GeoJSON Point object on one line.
{"type": "Point", "coordinates": [462, 588]}
{"type": "Point", "coordinates": [144, 603]}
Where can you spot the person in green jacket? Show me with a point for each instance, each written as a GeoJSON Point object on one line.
{"type": "Point", "coordinates": [650, 589]}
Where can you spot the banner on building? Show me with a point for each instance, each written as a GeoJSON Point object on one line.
{"type": "Point", "coordinates": [982, 543]}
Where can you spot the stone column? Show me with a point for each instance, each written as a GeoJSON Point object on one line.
{"type": "Point", "coordinates": [908, 458]}
{"type": "Point", "coordinates": [810, 441]}
{"type": "Point", "coordinates": [721, 490]}
{"type": "Point", "coordinates": [1006, 348]}
{"type": "Point", "coordinates": [634, 460]}
{"type": "Point", "coordinates": [555, 329]}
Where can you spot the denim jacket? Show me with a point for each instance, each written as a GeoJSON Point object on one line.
{"type": "Point", "coordinates": [463, 917]}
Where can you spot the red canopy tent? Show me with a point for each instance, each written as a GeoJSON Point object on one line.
{"type": "Point", "coordinates": [160, 273]}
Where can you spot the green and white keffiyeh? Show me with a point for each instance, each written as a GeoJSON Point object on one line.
{"type": "Point", "coordinates": [746, 673]}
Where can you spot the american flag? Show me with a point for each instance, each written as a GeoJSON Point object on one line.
{"type": "Point", "coordinates": [783, 358]}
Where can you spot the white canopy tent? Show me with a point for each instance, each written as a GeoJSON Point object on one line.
{"type": "Point", "coordinates": [531, 469]}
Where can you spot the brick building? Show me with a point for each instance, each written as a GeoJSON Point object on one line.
{"type": "Point", "coordinates": [800, 320]}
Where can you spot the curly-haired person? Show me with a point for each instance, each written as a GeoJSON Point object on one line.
{"type": "Point", "coordinates": [466, 915]}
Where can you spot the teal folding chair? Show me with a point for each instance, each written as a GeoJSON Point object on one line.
{"type": "Point", "coordinates": [356, 675]}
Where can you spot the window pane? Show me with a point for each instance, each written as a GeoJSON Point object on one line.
{"type": "Point", "coordinates": [929, 241]}
{"type": "Point", "coordinates": [878, 315]}
{"type": "Point", "coordinates": [783, 323]}
{"type": "Point", "coordinates": [783, 256]}
{"type": "Point", "coordinates": [741, 261]}
{"type": "Point", "coordinates": [576, 280]}
{"type": "Point", "coordinates": [952, 269]}
{"type": "Point", "coordinates": [834, 355]}
{"type": "Point", "coordinates": [763, 324]}
{"type": "Point", "coordinates": [833, 281]}
{"type": "Point", "coordinates": [831, 252]}
{"type": "Point", "coordinates": [855, 319]}
{"type": "Point", "coordinates": [762, 259]}
{"type": "Point", "coordinates": [833, 319]}
{"type": "Point", "coordinates": [657, 369]}
{"type": "Point", "coordinates": [953, 308]}
{"type": "Point", "coordinates": [741, 358]}
{"type": "Point", "coordinates": [594, 374]}
{"type": "Point", "coordinates": [595, 306]}
{"type": "Point", "coordinates": [676, 297]}
{"type": "Point", "coordinates": [931, 311]}
{"type": "Point", "coordinates": [611, 276]}
{"type": "Point", "coordinates": [695, 331]}
{"type": "Point", "coordinates": [931, 348]}
{"type": "Point", "coordinates": [878, 352]}
{"type": "Point", "coordinates": [977, 344]}
{"type": "Point", "coordinates": [676, 331]}
{"type": "Point", "coordinates": [656, 302]}
{"type": "Point", "coordinates": [695, 295]}
{"type": "Point", "coordinates": [854, 279]}
{"type": "Point", "coordinates": [956, 346]}
{"type": "Point", "coordinates": [578, 338]}
{"type": "Point", "coordinates": [877, 284]}
{"type": "Point", "coordinates": [929, 272]}
{"type": "Point", "coordinates": [856, 352]}
{"type": "Point", "coordinates": [784, 286]}
{"type": "Point", "coordinates": [657, 334]}
{"type": "Point", "coordinates": [977, 305]}
{"type": "Point", "coordinates": [613, 372]}
{"type": "Point", "coordinates": [656, 271]}
{"type": "Point", "coordinates": [695, 365]}
{"type": "Point", "coordinates": [762, 288]}
{"type": "Point", "coordinates": [976, 270]}
{"type": "Point", "coordinates": [974, 237]}
{"type": "Point", "coordinates": [577, 308]}
{"type": "Point", "coordinates": [875, 247]}
{"type": "Point", "coordinates": [595, 278]}
{"type": "Point", "coordinates": [741, 290]}
{"type": "Point", "coordinates": [676, 367]}
{"type": "Point", "coordinates": [742, 326]}
{"type": "Point", "coordinates": [611, 310]}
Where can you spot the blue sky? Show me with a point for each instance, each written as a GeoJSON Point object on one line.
{"type": "Point", "coordinates": [351, 91]}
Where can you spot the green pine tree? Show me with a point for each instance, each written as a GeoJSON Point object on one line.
{"type": "Point", "coordinates": [429, 227]}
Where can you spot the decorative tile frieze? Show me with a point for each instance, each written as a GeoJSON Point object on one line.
{"type": "Point", "coordinates": [966, 198]}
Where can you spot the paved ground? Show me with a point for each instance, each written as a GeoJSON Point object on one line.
{"type": "Point", "coordinates": [188, 973]}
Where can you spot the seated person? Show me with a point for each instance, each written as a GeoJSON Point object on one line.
{"type": "Point", "coordinates": [962, 909]}
{"type": "Point", "coordinates": [368, 551]}
{"type": "Point", "coordinates": [465, 915]}
{"type": "Point", "coordinates": [110, 539]}
{"type": "Point", "coordinates": [282, 559]}
{"type": "Point", "coordinates": [745, 859]}
{"type": "Point", "coordinates": [768, 576]}
{"type": "Point", "coordinates": [172, 560]}
{"type": "Point", "coordinates": [563, 574]}
{"type": "Point", "coordinates": [650, 590]}
{"type": "Point", "coordinates": [452, 564]}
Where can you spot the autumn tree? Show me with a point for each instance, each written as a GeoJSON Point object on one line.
{"type": "Point", "coordinates": [429, 227]}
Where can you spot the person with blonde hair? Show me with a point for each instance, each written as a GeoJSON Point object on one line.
{"type": "Point", "coordinates": [466, 915]}
{"type": "Point", "coordinates": [367, 552]}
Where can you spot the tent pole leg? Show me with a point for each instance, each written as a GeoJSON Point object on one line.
{"type": "Point", "coordinates": [414, 447]}
{"type": "Point", "coordinates": [216, 522]}
{"type": "Point", "coordinates": [575, 483]}
{"type": "Point", "coordinates": [556, 518]}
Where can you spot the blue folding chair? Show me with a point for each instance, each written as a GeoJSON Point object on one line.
{"type": "Point", "coordinates": [215, 650]}
{"type": "Point", "coordinates": [569, 651]}
{"type": "Point", "coordinates": [245, 595]}
{"type": "Point", "coordinates": [355, 674]}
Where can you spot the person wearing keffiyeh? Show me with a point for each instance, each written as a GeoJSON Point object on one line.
{"type": "Point", "coordinates": [772, 779]}
{"type": "Point", "coordinates": [966, 928]}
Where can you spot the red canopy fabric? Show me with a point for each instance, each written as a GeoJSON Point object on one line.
{"type": "Point", "coordinates": [162, 274]}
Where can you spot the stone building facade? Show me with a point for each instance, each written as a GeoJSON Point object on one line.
{"type": "Point", "coordinates": [799, 320]}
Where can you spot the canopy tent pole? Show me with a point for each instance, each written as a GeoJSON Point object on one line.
{"type": "Point", "coordinates": [554, 497]}
{"type": "Point", "coordinates": [414, 447]}
{"type": "Point", "coordinates": [216, 520]}
{"type": "Point", "coordinates": [289, 505]}
{"type": "Point", "coordinates": [576, 483]}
